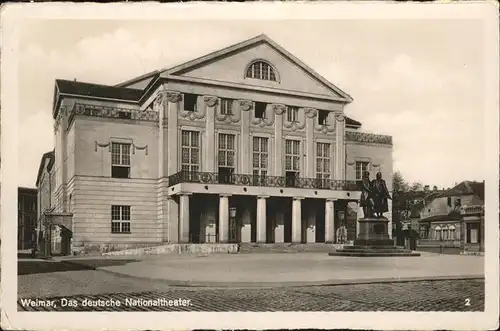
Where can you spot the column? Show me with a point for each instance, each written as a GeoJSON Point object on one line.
{"type": "Point", "coordinates": [358, 216]}
{"type": "Point", "coordinates": [279, 230]}
{"type": "Point", "coordinates": [261, 219]}
{"type": "Point", "coordinates": [184, 218]}
{"type": "Point", "coordinates": [339, 147]}
{"type": "Point", "coordinates": [297, 220]}
{"type": "Point", "coordinates": [224, 218]}
{"type": "Point", "coordinates": [311, 225]}
{"type": "Point", "coordinates": [246, 228]}
{"type": "Point", "coordinates": [209, 227]}
{"type": "Point", "coordinates": [209, 143]}
{"type": "Point", "coordinates": [173, 99]}
{"type": "Point", "coordinates": [172, 227]}
{"type": "Point", "coordinates": [329, 220]}
{"type": "Point", "coordinates": [389, 217]}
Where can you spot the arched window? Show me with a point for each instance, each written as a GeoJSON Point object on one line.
{"type": "Point", "coordinates": [438, 233]}
{"type": "Point", "coordinates": [451, 228]}
{"type": "Point", "coordinates": [261, 70]}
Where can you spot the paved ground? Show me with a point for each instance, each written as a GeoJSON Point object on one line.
{"type": "Point", "coordinates": [296, 269]}
{"type": "Point", "coordinates": [56, 280]}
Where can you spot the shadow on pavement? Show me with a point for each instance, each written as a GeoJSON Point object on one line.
{"type": "Point", "coordinates": [37, 267]}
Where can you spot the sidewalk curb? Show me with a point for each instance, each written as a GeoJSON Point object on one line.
{"type": "Point", "coordinates": [339, 282]}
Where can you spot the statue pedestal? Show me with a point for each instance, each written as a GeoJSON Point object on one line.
{"type": "Point", "coordinates": [373, 232]}
{"type": "Point", "coordinates": [373, 241]}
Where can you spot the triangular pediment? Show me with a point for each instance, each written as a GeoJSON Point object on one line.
{"type": "Point", "coordinates": [230, 65]}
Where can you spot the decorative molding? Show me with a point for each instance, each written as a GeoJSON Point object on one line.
{"type": "Point", "coordinates": [143, 148]}
{"type": "Point", "coordinates": [173, 96]}
{"type": "Point", "coordinates": [340, 117]}
{"type": "Point", "coordinates": [324, 128]}
{"type": "Point", "coordinates": [368, 138]}
{"type": "Point", "coordinates": [278, 109]}
{"type": "Point", "coordinates": [267, 121]}
{"type": "Point", "coordinates": [97, 144]}
{"type": "Point", "coordinates": [158, 102]}
{"type": "Point", "coordinates": [311, 112]}
{"type": "Point", "coordinates": [210, 101]}
{"type": "Point", "coordinates": [194, 115]}
{"type": "Point", "coordinates": [234, 117]}
{"type": "Point", "coordinates": [246, 105]}
{"type": "Point", "coordinates": [114, 112]}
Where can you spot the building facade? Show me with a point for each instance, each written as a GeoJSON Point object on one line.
{"type": "Point", "coordinates": [455, 218]}
{"type": "Point", "coordinates": [246, 144]}
{"type": "Point", "coordinates": [27, 217]}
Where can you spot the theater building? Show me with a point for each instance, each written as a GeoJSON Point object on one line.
{"type": "Point", "coordinates": [246, 144]}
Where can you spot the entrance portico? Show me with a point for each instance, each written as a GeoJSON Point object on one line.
{"type": "Point", "coordinates": [223, 218]}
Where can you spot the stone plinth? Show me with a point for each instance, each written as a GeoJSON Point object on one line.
{"type": "Point", "coordinates": [373, 240]}
{"type": "Point", "coordinates": [373, 231]}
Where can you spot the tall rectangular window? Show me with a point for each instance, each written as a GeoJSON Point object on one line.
{"type": "Point", "coordinates": [120, 219]}
{"type": "Point", "coordinates": [292, 114]}
{"type": "Point", "coordinates": [260, 159]}
{"type": "Point", "coordinates": [292, 161]}
{"type": "Point", "coordinates": [226, 107]}
{"type": "Point", "coordinates": [226, 157]}
{"type": "Point", "coordinates": [120, 160]}
{"type": "Point", "coordinates": [361, 168]}
{"type": "Point", "coordinates": [322, 162]}
{"type": "Point", "coordinates": [190, 158]}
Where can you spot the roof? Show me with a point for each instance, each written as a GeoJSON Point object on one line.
{"type": "Point", "coordinates": [442, 218]}
{"type": "Point", "coordinates": [351, 122]}
{"type": "Point", "coordinates": [179, 69]}
{"type": "Point", "coordinates": [97, 90]}
{"type": "Point", "coordinates": [68, 87]}
{"type": "Point", "coordinates": [47, 156]}
{"type": "Point", "coordinates": [466, 188]}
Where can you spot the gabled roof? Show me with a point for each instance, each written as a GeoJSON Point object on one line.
{"type": "Point", "coordinates": [179, 69]}
{"type": "Point", "coordinates": [47, 156]}
{"type": "Point", "coordinates": [466, 188]}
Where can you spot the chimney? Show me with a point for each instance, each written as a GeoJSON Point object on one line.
{"type": "Point", "coordinates": [435, 188]}
{"type": "Point", "coordinates": [426, 188]}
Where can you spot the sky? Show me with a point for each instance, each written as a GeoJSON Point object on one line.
{"type": "Point", "coordinates": [420, 81]}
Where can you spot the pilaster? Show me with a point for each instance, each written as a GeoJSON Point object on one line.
{"type": "Point", "coordinates": [173, 104]}
{"type": "Point", "coordinates": [339, 147]}
{"type": "Point", "coordinates": [172, 232]}
{"type": "Point", "coordinates": [278, 139]}
{"type": "Point", "coordinates": [309, 148]}
{"type": "Point", "coordinates": [245, 143]}
{"type": "Point", "coordinates": [210, 102]}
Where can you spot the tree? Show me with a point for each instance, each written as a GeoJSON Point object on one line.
{"type": "Point", "coordinates": [398, 182]}
{"type": "Point", "coordinates": [416, 186]}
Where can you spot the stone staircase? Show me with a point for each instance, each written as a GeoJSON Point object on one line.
{"type": "Point", "coordinates": [246, 248]}
{"type": "Point", "coordinates": [374, 251]}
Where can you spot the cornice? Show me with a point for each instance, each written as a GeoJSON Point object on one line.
{"type": "Point", "coordinates": [373, 138]}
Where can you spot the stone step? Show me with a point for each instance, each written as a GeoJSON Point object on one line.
{"type": "Point", "coordinates": [286, 248]}
{"type": "Point", "coordinates": [374, 254]}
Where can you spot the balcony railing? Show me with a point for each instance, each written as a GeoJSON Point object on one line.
{"type": "Point", "coordinates": [266, 181]}
{"type": "Point", "coordinates": [471, 210]}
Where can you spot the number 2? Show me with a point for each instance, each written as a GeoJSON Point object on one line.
{"type": "Point", "coordinates": [467, 302]}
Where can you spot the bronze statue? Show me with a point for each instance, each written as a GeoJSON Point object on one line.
{"type": "Point", "coordinates": [366, 201]}
{"type": "Point", "coordinates": [380, 194]}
